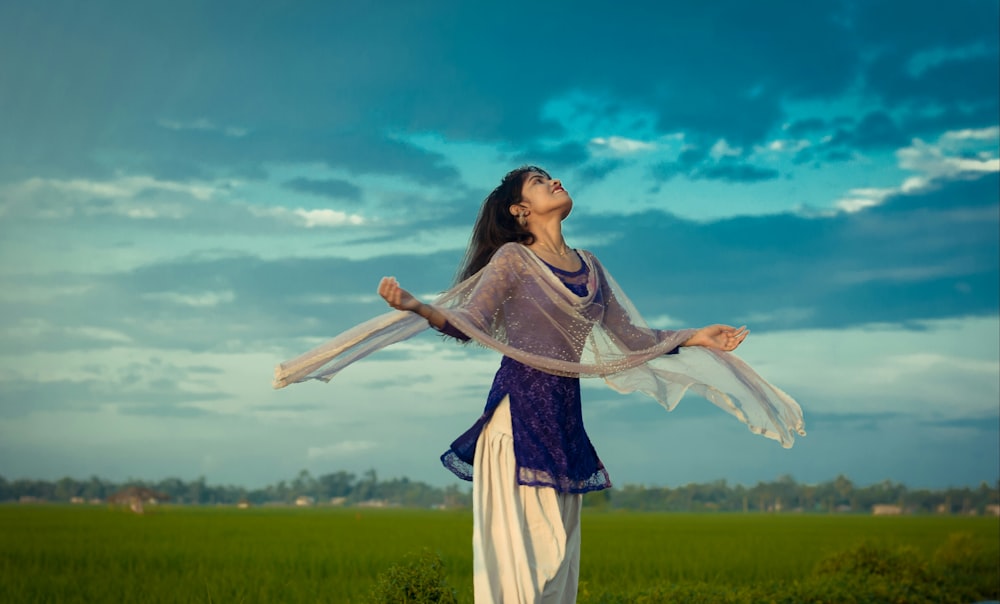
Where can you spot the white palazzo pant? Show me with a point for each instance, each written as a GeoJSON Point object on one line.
{"type": "Point", "coordinates": [525, 540]}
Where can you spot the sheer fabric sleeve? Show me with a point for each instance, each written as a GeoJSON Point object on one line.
{"type": "Point", "coordinates": [720, 377]}
{"type": "Point", "coordinates": [624, 323]}
{"type": "Point", "coordinates": [323, 362]}
{"type": "Point", "coordinates": [481, 304]}
{"type": "Point", "coordinates": [473, 305]}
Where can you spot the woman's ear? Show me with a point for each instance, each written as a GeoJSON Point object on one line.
{"type": "Point", "coordinates": [521, 214]}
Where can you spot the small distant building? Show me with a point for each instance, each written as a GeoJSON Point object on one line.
{"type": "Point", "coordinates": [304, 501]}
{"type": "Point", "coordinates": [338, 501]}
{"type": "Point", "coordinates": [77, 500]}
{"type": "Point", "coordinates": [243, 504]}
{"type": "Point", "coordinates": [136, 497]}
{"type": "Point", "coordinates": [886, 509]}
{"type": "Point", "coordinates": [992, 509]}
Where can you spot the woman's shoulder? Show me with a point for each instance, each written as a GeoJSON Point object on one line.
{"type": "Point", "coordinates": [509, 256]}
{"type": "Point", "coordinates": [511, 247]}
{"type": "Point", "coordinates": [590, 259]}
{"type": "Point", "coordinates": [509, 251]}
{"type": "Point", "coordinates": [588, 256]}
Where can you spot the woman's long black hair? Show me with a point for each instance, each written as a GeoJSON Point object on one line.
{"type": "Point", "coordinates": [495, 225]}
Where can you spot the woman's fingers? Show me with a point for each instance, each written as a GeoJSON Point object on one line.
{"type": "Point", "coordinates": [738, 336]}
{"type": "Point", "coordinates": [390, 291]}
{"type": "Point", "coordinates": [728, 337]}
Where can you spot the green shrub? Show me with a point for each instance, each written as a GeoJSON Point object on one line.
{"type": "Point", "coordinates": [971, 570]}
{"type": "Point", "coordinates": [961, 571]}
{"type": "Point", "coordinates": [870, 560]}
{"type": "Point", "coordinates": [873, 574]}
{"type": "Point", "coordinates": [417, 580]}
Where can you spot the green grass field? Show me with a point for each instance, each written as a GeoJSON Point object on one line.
{"type": "Point", "coordinates": [189, 554]}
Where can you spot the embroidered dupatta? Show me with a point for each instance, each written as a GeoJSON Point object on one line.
{"type": "Point", "coordinates": [518, 307]}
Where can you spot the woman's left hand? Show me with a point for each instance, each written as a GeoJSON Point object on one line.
{"type": "Point", "coordinates": [719, 337]}
{"type": "Point", "coordinates": [397, 297]}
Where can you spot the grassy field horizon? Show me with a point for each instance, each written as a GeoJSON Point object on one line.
{"type": "Point", "coordinates": [64, 553]}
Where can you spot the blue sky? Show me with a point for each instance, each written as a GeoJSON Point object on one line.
{"type": "Point", "coordinates": [192, 192]}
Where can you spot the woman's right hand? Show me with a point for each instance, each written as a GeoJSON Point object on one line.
{"type": "Point", "coordinates": [397, 297]}
{"type": "Point", "coordinates": [719, 337]}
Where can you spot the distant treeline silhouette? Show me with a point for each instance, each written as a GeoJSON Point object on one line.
{"type": "Point", "coordinates": [345, 488]}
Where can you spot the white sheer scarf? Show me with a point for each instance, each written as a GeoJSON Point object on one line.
{"type": "Point", "coordinates": [518, 307]}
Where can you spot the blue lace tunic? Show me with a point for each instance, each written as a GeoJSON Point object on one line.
{"type": "Point", "coordinates": [551, 446]}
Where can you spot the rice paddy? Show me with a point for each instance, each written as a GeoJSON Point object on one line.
{"type": "Point", "coordinates": [59, 553]}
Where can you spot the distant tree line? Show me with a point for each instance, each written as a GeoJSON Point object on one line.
{"type": "Point", "coordinates": [343, 488]}
{"type": "Point", "coordinates": [840, 495]}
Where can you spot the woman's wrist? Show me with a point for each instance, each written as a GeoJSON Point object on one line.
{"type": "Point", "coordinates": [691, 341]}
{"type": "Point", "coordinates": [431, 315]}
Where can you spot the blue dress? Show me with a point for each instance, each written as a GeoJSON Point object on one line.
{"type": "Point", "coordinates": [551, 446]}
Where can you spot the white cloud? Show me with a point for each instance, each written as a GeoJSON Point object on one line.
{"type": "Point", "coordinates": [859, 199]}
{"type": "Point", "coordinates": [622, 145]}
{"type": "Point", "coordinates": [923, 60]}
{"type": "Point", "coordinates": [956, 155]}
{"type": "Point", "coordinates": [904, 274]}
{"type": "Point", "coordinates": [36, 293]}
{"type": "Point", "coordinates": [327, 218]}
{"type": "Point", "coordinates": [980, 134]}
{"type": "Point", "coordinates": [787, 315]}
{"type": "Point", "coordinates": [855, 204]}
{"type": "Point", "coordinates": [123, 187]}
{"type": "Point", "coordinates": [341, 449]}
{"type": "Point", "coordinates": [99, 333]}
{"type": "Point", "coordinates": [336, 299]}
{"type": "Point", "coordinates": [201, 300]}
{"type": "Point", "coordinates": [309, 218]}
{"type": "Point", "coordinates": [664, 322]}
{"type": "Point", "coordinates": [721, 149]}
{"type": "Point", "coordinates": [30, 329]}
{"type": "Point", "coordinates": [914, 184]}
{"type": "Point", "coordinates": [932, 161]}
{"type": "Point", "coordinates": [203, 125]}
{"type": "Point", "coordinates": [904, 367]}
{"type": "Point", "coordinates": [785, 145]}
{"type": "Point", "coordinates": [141, 198]}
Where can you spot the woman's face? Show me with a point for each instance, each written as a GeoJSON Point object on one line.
{"type": "Point", "coordinates": [542, 195]}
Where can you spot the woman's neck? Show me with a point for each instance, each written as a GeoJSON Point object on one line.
{"type": "Point", "coordinates": [550, 240]}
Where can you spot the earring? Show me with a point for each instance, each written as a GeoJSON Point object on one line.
{"type": "Point", "coordinates": [522, 219]}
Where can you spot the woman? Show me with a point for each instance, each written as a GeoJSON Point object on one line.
{"type": "Point", "coordinates": [556, 315]}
